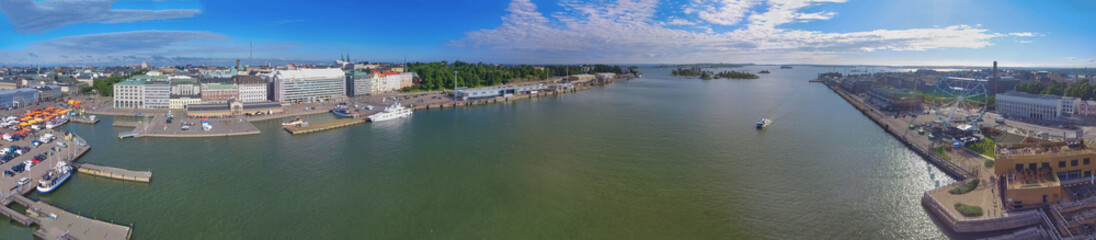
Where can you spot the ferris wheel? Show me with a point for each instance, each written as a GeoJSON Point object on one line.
{"type": "Point", "coordinates": [958, 101]}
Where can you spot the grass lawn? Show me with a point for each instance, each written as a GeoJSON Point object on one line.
{"type": "Point", "coordinates": [965, 188]}
{"type": "Point", "coordinates": [985, 147]}
{"type": "Point", "coordinates": [940, 151]}
{"type": "Point", "coordinates": [968, 210]}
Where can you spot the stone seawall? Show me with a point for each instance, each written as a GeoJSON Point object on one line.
{"type": "Point", "coordinates": [948, 167]}
{"type": "Point", "coordinates": [1013, 220]}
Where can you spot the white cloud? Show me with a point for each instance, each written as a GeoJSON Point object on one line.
{"type": "Point", "coordinates": [722, 12]}
{"type": "Point", "coordinates": [123, 47]}
{"type": "Point", "coordinates": [1023, 42]}
{"type": "Point", "coordinates": [625, 31]}
{"type": "Point", "coordinates": [40, 16]}
{"type": "Point", "coordinates": [679, 22]}
{"type": "Point", "coordinates": [1022, 34]}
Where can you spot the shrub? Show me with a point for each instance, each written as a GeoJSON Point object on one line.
{"type": "Point", "coordinates": [989, 163]}
{"type": "Point", "coordinates": [965, 188]}
{"type": "Point", "coordinates": [968, 210]}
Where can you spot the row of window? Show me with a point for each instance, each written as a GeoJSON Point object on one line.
{"type": "Point", "coordinates": [1061, 164]}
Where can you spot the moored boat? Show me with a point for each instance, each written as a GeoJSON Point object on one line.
{"type": "Point", "coordinates": [56, 122]}
{"type": "Point", "coordinates": [391, 112]}
{"type": "Point", "coordinates": [55, 177]}
{"type": "Point", "coordinates": [342, 112]}
{"type": "Point", "coordinates": [294, 123]}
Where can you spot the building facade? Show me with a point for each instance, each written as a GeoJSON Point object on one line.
{"type": "Point", "coordinates": [252, 89]}
{"type": "Point", "coordinates": [1033, 107]}
{"type": "Point", "coordinates": [14, 98]}
{"type": "Point", "coordinates": [185, 86]}
{"type": "Point", "coordinates": [48, 92]}
{"type": "Point", "coordinates": [392, 81]}
{"type": "Point", "coordinates": [142, 92]}
{"type": "Point", "coordinates": [491, 92]}
{"type": "Point", "coordinates": [157, 94]}
{"type": "Point", "coordinates": [309, 85]}
{"type": "Point", "coordinates": [891, 99]}
{"type": "Point", "coordinates": [219, 92]}
{"type": "Point", "coordinates": [359, 83]}
{"type": "Point", "coordinates": [1035, 178]}
{"type": "Point", "coordinates": [180, 102]}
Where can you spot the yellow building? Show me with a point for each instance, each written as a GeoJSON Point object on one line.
{"type": "Point", "coordinates": [1036, 175]}
{"type": "Point", "coordinates": [180, 103]}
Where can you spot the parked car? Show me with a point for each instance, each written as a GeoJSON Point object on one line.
{"type": "Point", "coordinates": [9, 173]}
{"type": "Point", "coordinates": [24, 181]}
{"type": "Point", "coordinates": [19, 167]}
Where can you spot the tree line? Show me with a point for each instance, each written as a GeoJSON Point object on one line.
{"type": "Point", "coordinates": [105, 86]}
{"type": "Point", "coordinates": [439, 75]}
{"type": "Point", "coordinates": [706, 75]}
{"type": "Point", "coordinates": [1082, 90]}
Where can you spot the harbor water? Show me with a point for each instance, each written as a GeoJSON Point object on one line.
{"type": "Point", "coordinates": [657, 157]}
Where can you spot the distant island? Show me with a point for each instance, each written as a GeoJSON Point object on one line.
{"type": "Point", "coordinates": [705, 65]}
{"type": "Point", "coordinates": [707, 75]}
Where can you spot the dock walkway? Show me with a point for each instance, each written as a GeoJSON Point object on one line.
{"type": "Point", "coordinates": [56, 223]}
{"type": "Point", "coordinates": [114, 173]}
{"type": "Point", "coordinates": [316, 127]}
{"type": "Point", "coordinates": [124, 124]}
{"type": "Point", "coordinates": [16, 216]}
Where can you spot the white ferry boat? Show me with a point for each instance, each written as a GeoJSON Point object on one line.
{"type": "Point", "coordinates": [55, 177]}
{"type": "Point", "coordinates": [391, 112]}
{"type": "Point", "coordinates": [56, 122]}
{"type": "Point", "coordinates": [764, 122]}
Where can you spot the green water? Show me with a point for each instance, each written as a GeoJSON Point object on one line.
{"type": "Point", "coordinates": [653, 158]}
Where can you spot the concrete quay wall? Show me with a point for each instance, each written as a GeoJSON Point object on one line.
{"type": "Point", "coordinates": [1013, 220]}
{"type": "Point", "coordinates": [948, 167]}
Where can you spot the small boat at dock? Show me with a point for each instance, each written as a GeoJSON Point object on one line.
{"type": "Point", "coordinates": [56, 122]}
{"type": "Point", "coordinates": [55, 177]}
{"type": "Point", "coordinates": [764, 122]}
{"type": "Point", "coordinates": [295, 123]}
{"type": "Point", "coordinates": [343, 113]}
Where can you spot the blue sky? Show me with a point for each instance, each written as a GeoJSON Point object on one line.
{"type": "Point", "coordinates": [934, 32]}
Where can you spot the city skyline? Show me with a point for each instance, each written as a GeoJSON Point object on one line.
{"type": "Point", "coordinates": [932, 33]}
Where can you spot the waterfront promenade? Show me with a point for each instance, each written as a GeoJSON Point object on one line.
{"type": "Point", "coordinates": [962, 164]}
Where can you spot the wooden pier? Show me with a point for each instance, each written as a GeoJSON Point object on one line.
{"type": "Point", "coordinates": [84, 120]}
{"type": "Point", "coordinates": [114, 173]}
{"type": "Point", "coordinates": [56, 223]}
{"type": "Point", "coordinates": [16, 216]}
{"type": "Point", "coordinates": [316, 127]}
{"type": "Point", "coordinates": [124, 124]}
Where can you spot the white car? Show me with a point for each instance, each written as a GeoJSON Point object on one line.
{"type": "Point", "coordinates": [24, 181]}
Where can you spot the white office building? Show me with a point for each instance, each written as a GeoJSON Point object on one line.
{"type": "Point", "coordinates": [309, 85]}
{"type": "Point", "coordinates": [1035, 107]}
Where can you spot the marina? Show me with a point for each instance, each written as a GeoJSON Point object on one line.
{"type": "Point", "coordinates": [54, 222]}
